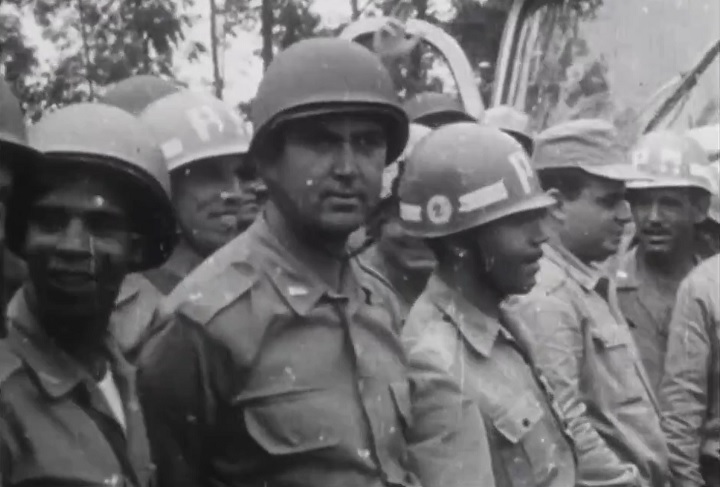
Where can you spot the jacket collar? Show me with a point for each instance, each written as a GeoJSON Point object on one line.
{"type": "Point", "coordinates": [57, 372]}
{"type": "Point", "coordinates": [294, 279]}
{"type": "Point", "coordinates": [580, 272]}
{"type": "Point", "coordinates": [479, 324]}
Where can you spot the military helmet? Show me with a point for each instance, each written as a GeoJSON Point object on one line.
{"type": "Point", "coordinates": [190, 127]}
{"type": "Point", "coordinates": [465, 175]}
{"type": "Point", "coordinates": [13, 133]}
{"type": "Point", "coordinates": [135, 93]}
{"type": "Point", "coordinates": [670, 160]}
{"type": "Point", "coordinates": [327, 75]}
{"type": "Point", "coordinates": [436, 109]}
{"type": "Point", "coordinates": [110, 140]}
{"type": "Point", "coordinates": [511, 121]}
{"type": "Point", "coordinates": [392, 171]}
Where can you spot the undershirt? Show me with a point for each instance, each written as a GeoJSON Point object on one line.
{"type": "Point", "coordinates": [109, 389]}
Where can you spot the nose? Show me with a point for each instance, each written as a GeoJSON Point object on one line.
{"type": "Point", "coordinates": [345, 161]}
{"type": "Point", "coordinates": [75, 240]}
{"type": "Point", "coordinates": [541, 230]}
{"type": "Point", "coordinates": [654, 213]}
{"type": "Point", "coordinates": [623, 215]}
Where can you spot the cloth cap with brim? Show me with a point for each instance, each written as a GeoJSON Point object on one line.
{"type": "Point", "coordinates": [591, 145]}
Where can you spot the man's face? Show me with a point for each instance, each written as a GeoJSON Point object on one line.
{"type": "Point", "coordinates": [78, 247]}
{"type": "Point", "coordinates": [595, 220]}
{"type": "Point", "coordinates": [664, 218]}
{"type": "Point", "coordinates": [216, 199]}
{"type": "Point", "coordinates": [405, 252]}
{"type": "Point", "coordinates": [328, 176]}
{"type": "Point", "coordinates": [511, 249]}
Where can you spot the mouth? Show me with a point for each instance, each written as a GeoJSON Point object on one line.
{"type": "Point", "coordinates": [342, 199]}
{"type": "Point", "coordinates": [71, 279]}
{"type": "Point", "coordinates": [656, 236]}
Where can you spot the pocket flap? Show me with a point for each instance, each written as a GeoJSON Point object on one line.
{"type": "Point", "coordinates": [610, 336]}
{"type": "Point", "coordinates": [520, 418]}
{"type": "Point", "coordinates": [401, 396]}
{"type": "Point", "coordinates": [291, 425]}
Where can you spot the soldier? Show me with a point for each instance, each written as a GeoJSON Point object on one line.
{"type": "Point", "coordinates": [435, 110]}
{"type": "Point", "coordinates": [471, 192]}
{"type": "Point", "coordinates": [94, 208]}
{"type": "Point", "coordinates": [216, 191]}
{"type": "Point", "coordinates": [708, 231]}
{"type": "Point", "coordinates": [14, 151]}
{"type": "Point", "coordinates": [690, 388]}
{"type": "Point", "coordinates": [582, 342]}
{"type": "Point", "coordinates": [135, 93]}
{"type": "Point", "coordinates": [281, 362]}
{"type": "Point", "coordinates": [403, 260]}
{"type": "Point", "coordinates": [666, 210]}
{"type": "Point", "coordinates": [513, 122]}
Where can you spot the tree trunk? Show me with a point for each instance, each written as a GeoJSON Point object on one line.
{"type": "Point", "coordinates": [267, 18]}
{"type": "Point", "coordinates": [217, 78]}
{"type": "Point", "coordinates": [355, 9]}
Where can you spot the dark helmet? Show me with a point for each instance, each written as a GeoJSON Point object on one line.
{"type": "Point", "coordinates": [436, 109]}
{"type": "Point", "coordinates": [190, 127]}
{"type": "Point", "coordinates": [135, 93]}
{"type": "Point", "coordinates": [327, 75]}
{"type": "Point", "coordinates": [463, 176]}
{"type": "Point", "coordinates": [13, 133]}
{"type": "Point", "coordinates": [513, 122]}
{"type": "Point", "coordinates": [108, 139]}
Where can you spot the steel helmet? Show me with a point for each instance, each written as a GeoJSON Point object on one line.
{"type": "Point", "coordinates": [391, 172]}
{"type": "Point", "coordinates": [13, 133]}
{"type": "Point", "coordinates": [465, 175]}
{"type": "Point", "coordinates": [111, 140]}
{"type": "Point", "coordinates": [190, 127]}
{"type": "Point", "coordinates": [327, 75]}
{"type": "Point", "coordinates": [511, 121]}
{"type": "Point", "coordinates": [670, 160]}
{"type": "Point", "coordinates": [135, 93]}
{"type": "Point", "coordinates": [434, 109]}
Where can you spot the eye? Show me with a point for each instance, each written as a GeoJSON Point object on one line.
{"type": "Point", "coordinates": [370, 141]}
{"type": "Point", "coordinates": [106, 224]}
{"type": "Point", "coordinates": [48, 220]}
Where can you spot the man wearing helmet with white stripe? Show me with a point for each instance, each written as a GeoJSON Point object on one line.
{"type": "Point", "coordinates": [666, 209]}
{"type": "Point", "coordinates": [471, 193]}
{"type": "Point", "coordinates": [280, 361]}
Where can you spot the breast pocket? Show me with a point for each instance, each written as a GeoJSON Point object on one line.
{"type": "Point", "coordinates": [615, 364]}
{"type": "Point", "coordinates": [527, 444]}
{"type": "Point", "coordinates": [292, 424]}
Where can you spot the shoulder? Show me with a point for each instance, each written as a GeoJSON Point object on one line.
{"type": "Point", "coordinates": [551, 279]}
{"type": "Point", "coordinates": [229, 266]}
{"type": "Point", "coordinates": [203, 300]}
{"type": "Point", "coordinates": [428, 337]}
{"type": "Point", "coordinates": [10, 363]}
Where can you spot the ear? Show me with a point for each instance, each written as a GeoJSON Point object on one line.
{"type": "Point", "coordinates": [699, 205]}
{"type": "Point", "coordinates": [557, 212]}
{"type": "Point", "coordinates": [137, 250]}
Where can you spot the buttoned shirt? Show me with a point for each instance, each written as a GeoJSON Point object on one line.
{"type": "Point", "coordinates": [265, 376]}
{"type": "Point", "coordinates": [56, 427]}
{"type": "Point", "coordinates": [647, 314]}
{"type": "Point", "coordinates": [585, 348]}
{"type": "Point", "coordinates": [526, 432]}
{"type": "Point", "coordinates": [690, 389]}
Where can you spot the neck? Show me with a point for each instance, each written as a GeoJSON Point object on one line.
{"type": "Point", "coordinates": [471, 285]}
{"type": "Point", "coordinates": [82, 337]}
{"type": "Point", "coordinates": [324, 254]}
{"type": "Point", "coordinates": [672, 266]}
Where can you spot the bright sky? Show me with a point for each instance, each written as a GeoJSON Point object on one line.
{"type": "Point", "coordinates": [242, 68]}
